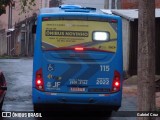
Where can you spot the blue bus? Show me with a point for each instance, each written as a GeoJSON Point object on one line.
{"type": "Point", "coordinates": [77, 58]}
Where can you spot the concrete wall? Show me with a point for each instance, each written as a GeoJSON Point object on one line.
{"type": "Point", "coordinates": [4, 20]}
{"type": "Point", "coordinates": [87, 3]}
{"type": "Point", "coordinates": [3, 42]}
{"type": "Point", "coordinates": [126, 43]}
{"type": "Point", "coordinates": [44, 3]}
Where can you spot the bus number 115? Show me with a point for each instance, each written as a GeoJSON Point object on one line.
{"type": "Point", "coordinates": [104, 68]}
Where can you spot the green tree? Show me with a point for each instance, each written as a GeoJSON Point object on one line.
{"type": "Point", "coordinates": [3, 4]}
{"type": "Point", "coordinates": [25, 5]}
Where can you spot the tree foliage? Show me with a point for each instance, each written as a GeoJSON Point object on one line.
{"type": "Point", "coordinates": [26, 5]}
{"type": "Point", "coordinates": [3, 4]}
{"type": "Point", "coordinates": [55, 3]}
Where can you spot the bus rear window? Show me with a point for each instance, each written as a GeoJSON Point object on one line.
{"type": "Point", "coordinates": [70, 33]}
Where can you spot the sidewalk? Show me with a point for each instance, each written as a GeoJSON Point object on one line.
{"type": "Point", "coordinates": [130, 88]}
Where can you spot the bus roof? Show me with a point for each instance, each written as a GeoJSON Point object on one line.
{"type": "Point", "coordinates": [71, 9]}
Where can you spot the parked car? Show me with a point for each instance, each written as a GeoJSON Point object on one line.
{"type": "Point", "coordinates": [3, 89]}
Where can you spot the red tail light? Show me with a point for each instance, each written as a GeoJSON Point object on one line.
{"type": "Point", "coordinates": [79, 48]}
{"type": "Point", "coordinates": [39, 80]}
{"type": "Point", "coordinates": [114, 21]}
{"type": "Point", "coordinates": [45, 19]}
{"type": "Point", "coordinates": [116, 82]}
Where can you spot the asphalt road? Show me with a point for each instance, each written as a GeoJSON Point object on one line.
{"type": "Point", "coordinates": [18, 73]}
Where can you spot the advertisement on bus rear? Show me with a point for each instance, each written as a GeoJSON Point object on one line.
{"type": "Point", "coordinates": [70, 33]}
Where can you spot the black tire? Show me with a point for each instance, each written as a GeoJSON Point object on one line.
{"type": "Point", "coordinates": [108, 113]}
{"type": "Point", "coordinates": [36, 108]}
{"type": "Point", "coordinates": [39, 107]}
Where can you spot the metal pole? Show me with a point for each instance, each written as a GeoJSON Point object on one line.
{"type": "Point", "coordinates": [116, 4]}
{"type": "Point", "coordinates": [8, 37]}
{"type": "Point", "coordinates": [25, 50]}
{"type": "Point", "coordinates": [106, 4]}
{"type": "Point", "coordinates": [11, 16]}
{"type": "Point", "coordinates": [110, 4]}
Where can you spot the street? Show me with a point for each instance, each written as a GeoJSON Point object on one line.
{"type": "Point", "coordinates": [18, 74]}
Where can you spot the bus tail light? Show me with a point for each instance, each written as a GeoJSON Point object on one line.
{"type": "Point", "coordinates": [39, 80]}
{"type": "Point", "coordinates": [78, 48]}
{"type": "Point", "coordinates": [116, 82]}
{"type": "Point", "coordinates": [114, 21]}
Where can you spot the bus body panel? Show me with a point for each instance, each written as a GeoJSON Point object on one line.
{"type": "Point", "coordinates": [91, 99]}
{"type": "Point", "coordinates": [87, 74]}
{"type": "Point", "coordinates": [77, 76]}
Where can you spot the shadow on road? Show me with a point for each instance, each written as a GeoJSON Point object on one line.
{"type": "Point", "coordinates": [74, 115]}
{"type": "Point", "coordinates": [74, 118]}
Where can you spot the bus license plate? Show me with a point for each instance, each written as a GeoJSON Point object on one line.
{"type": "Point", "coordinates": [77, 89]}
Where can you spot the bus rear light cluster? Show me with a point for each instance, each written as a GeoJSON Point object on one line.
{"type": "Point", "coordinates": [39, 80]}
{"type": "Point", "coordinates": [78, 48]}
{"type": "Point", "coordinates": [116, 82]}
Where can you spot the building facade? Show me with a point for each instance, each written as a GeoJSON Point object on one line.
{"type": "Point", "coordinates": [133, 4]}
{"type": "Point", "coordinates": [87, 3]}
{"type": "Point", "coordinates": [130, 39]}
{"type": "Point", "coordinates": [16, 28]}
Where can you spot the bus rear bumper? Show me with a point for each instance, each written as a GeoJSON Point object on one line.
{"type": "Point", "coordinates": [44, 98]}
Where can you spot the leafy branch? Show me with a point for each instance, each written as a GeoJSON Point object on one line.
{"type": "Point", "coordinates": [3, 5]}
{"type": "Point", "coordinates": [26, 5]}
